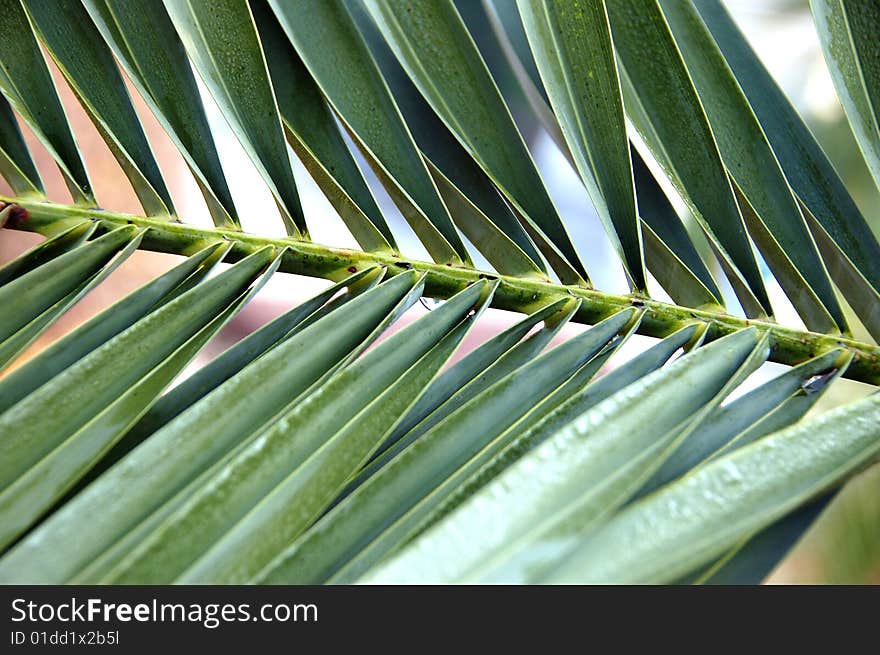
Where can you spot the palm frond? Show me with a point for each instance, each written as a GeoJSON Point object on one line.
{"type": "Point", "coordinates": [334, 446]}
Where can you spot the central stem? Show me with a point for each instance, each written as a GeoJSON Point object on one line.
{"type": "Point", "coordinates": [788, 346]}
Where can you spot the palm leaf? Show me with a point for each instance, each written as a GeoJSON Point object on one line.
{"type": "Point", "coordinates": [343, 442]}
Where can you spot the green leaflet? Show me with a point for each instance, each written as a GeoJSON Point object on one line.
{"type": "Point", "coordinates": [500, 251]}
{"type": "Point", "coordinates": [598, 446]}
{"type": "Point", "coordinates": [328, 42]}
{"type": "Point", "coordinates": [472, 365]}
{"type": "Point", "coordinates": [75, 44]}
{"type": "Point", "coordinates": [222, 41]}
{"type": "Point", "coordinates": [845, 240]}
{"type": "Point", "coordinates": [16, 344]}
{"type": "Point", "coordinates": [730, 424]}
{"type": "Point", "coordinates": [452, 490]}
{"type": "Point", "coordinates": [571, 43]}
{"type": "Point", "coordinates": [156, 63]}
{"type": "Point", "coordinates": [471, 381]}
{"type": "Point", "coordinates": [627, 461]}
{"type": "Point", "coordinates": [27, 84]}
{"type": "Point", "coordinates": [336, 545]}
{"type": "Point", "coordinates": [191, 443]}
{"type": "Point", "coordinates": [848, 33]}
{"type": "Point", "coordinates": [233, 360]}
{"type": "Point", "coordinates": [756, 558]}
{"type": "Point", "coordinates": [92, 334]}
{"type": "Point", "coordinates": [235, 521]}
{"type": "Point", "coordinates": [230, 362]}
{"type": "Point", "coordinates": [101, 394]}
{"type": "Point", "coordinates": [433, 45]}
{"type": "Point", "coordinates": [776, 224]}
{"type": "Point", "coordinates": [29, 295]}
{"type": "Point", "coordinates": [557, 410]}
{"type": "Point", "coordinates": [477, 207]}
{"type": "Point", "coordinates": [669, 253]}
{"type": "Point", "coordinates": [24, 501]}
{"type": "Point", "coordinates": [46, 251]}
{"type": "Point", "coordinates": [696, 519]}
{"type": "Point", "coordinates": [665, 108]}
{"type": "Point", "coordinates": [16, 165]}
{"type": "Point", "coordinates": [312, 133]}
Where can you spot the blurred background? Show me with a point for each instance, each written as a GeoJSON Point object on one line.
{"type": "Point", "coordinates": [844, 544]}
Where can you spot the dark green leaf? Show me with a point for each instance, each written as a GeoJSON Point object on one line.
{"type": "Point", "coordinates": [87, 63]}
{"type": "Point", "coordinates": [222, 42]}
{"type": "Point", "coordinates": [156, 63]}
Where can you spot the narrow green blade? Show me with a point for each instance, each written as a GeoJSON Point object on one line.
{"type": "Point", "coordinates": [848, 32]}
{"type": "Point", "coordinates": [669, 251]}
{"type": "Point", "coordinates": [673, 124]}
{"type": "Point", "coordinates": [471, 387]}
{"type": "Point", "coordinates": [27, 84]}
{"type": "Point", "coordinates": [325, 36]}
{"type": "Point", "coordinates": [585, 457]}
{"type": "Point", "coordinates": [777, 224]}
{"type": "Point", "coordinates": [571, 43]}
{"type": "Point", "coordinates": [477, 208]}
{"type": "Point", "coordinates": [16, 344]}
{"type": "Point", "coordinates": [24, 501]}
{"type": "Point", "coordinates": [92, 334]}
{"type": "Point", "coordinates": [222, 41]}
{"type": "Point", "coordinates": [339, 539]}
{"type": "Point", "coordinates": [26, 297]}
{"type": "Point", "coordinates": [156, 63]}
{"type": "Point", "coordinates": [728, 424]}
{"type": "Point", "coordinates": [312, 132]}
{"type": "Point", "coordinates": [850, 249]}
{"type": "Point", "coordinates": [46, 251]}
{"type": "Point", "coordinates": [236, 543]}
{"type": "Point", "coordinates": [87, 63]}
{"type": "Point", "coordinates": [233, 360]}
{"type": "Point", "coordinates": [698, 518]}
{"type": "Point", "coordinates": [754, 560]}
{"type": "Point", "coordinates": [434, 47]}
{"type": "Point", "coordinates": [199, 437]}
{"type": "Point", "coordinates": [98, 384]}
{"type": "Point", "coordinates": [16, 164]}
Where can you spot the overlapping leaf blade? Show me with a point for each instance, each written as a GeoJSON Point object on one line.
{"type": "Point", "coordinates": [27, 84]}
{"type": "Point", "coordinates": [476, 206]}
{"type": "Point", "coordinates": [97, 384]}
{"type": "Point", "coordinates": [16, 164]}
{"type": "Point", "coordinates": [261, 480]}
{"type": "Point", "coordinates": [665, 108]}
{"type": "Point", "coordinates": [222, 42]}
{"type": "Point", "coordinates": [64, 352]}
{"type": "Point", "coordinates": [782, 234]}
{"type": "Point", "coordinates": [337, 545]}
{"type": "Point", "coordinates": [312, 133]}
{"type": "Point", "coordinates": [156, 63]}
{"type": "Point", "coordinates": [571, 42]}
{"type": "Point", "coordinates": [325, 36]}
{"type": "Point", "coordinates": [848, 33]}
{"type": "Point", "coordinates": [87, 63]}
{"type": "Point", "coordinates": [845, 240]}
{"type": "Point", "coordinates": [541, 486]}
{"type": "Point", "coordinates": [696, 519]}
{"type": "Point", "coordinates": [16, 344]}
{"type": "Point", "coordinates": [29, 295]}
{"type": "Point", "coordinates": [202, 435]}
{"type": "Point", "coordinates": [669, 253]}
{"type": "Point", "coordinates": [433, 45]}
